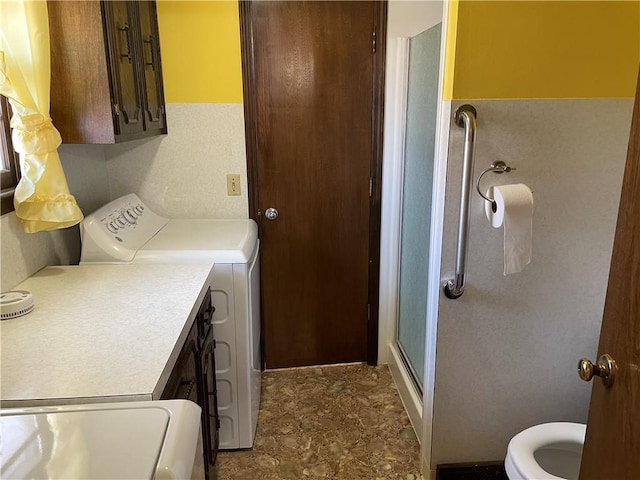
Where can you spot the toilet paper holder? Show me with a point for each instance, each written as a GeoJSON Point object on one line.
{"type": "Point", "coordinates": [496, 167]}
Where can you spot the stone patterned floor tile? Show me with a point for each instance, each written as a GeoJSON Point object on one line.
{"type": "Point", "coordinates": [339, 422]}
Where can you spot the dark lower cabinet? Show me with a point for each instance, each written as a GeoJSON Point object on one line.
{"type": "Point", "coordinates": [184, 382]}
{"type": "Point", "coordinates": [208, 366]}
{"type": "Point", "coordinates": [193, 378]}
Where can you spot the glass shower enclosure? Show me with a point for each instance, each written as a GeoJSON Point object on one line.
{"type": "Point", "coordinates": [419, 150]}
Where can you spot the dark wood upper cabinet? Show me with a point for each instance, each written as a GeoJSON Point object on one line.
{"type": "Point", "coordinates": [106, 71]}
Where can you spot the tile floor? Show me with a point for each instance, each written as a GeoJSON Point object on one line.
{"type": "Point", "coordinates": [340, 422]}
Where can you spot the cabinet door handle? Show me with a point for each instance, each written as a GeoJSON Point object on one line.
{"type": "Point", "coordinates": [125, 29]}
{"type": "Point", "coordinates": [152, 63]}
{"type": "Point", "coordinates": [188, 385]}
{"type": "Point", "coordinates": [207, 361]}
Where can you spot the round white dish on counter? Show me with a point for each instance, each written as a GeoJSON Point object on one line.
{"type": "Point", "coordinates": [15, 303]}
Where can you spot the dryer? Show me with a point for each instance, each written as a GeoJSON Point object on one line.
{"type": "Point", "coordinates": [127, 231]}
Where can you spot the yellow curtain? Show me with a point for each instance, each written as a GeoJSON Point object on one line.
{"type": "Point", "coordinates": [42, 200]}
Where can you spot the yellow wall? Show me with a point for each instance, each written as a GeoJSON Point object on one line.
{"type": "Point", "coordinates": [200, 42]}
{"type": "Point", "coordinates": [495, 49]}
{"type": "Point", "coordinates": [543, 49]}
{"type": "Point", "coordinates": [450, 49]}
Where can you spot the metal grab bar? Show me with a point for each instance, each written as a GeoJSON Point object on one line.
{"type": "Point", "coordinates": [465, 117]}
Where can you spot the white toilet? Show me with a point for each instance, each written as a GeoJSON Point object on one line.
{"type": "Point", "coordinates": [550, 451]}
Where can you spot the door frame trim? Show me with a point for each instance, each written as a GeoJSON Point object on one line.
{"type": "Point", "coordinates": [249, 104]}
{"type": "Point", "coordinates": [391, 231]}
{"type": "Point", "coordinates": [393, 174]}
{"type": "Point", "coordinates": [375, 200]}
{"type": "Point", "coordinates": [377, 133]}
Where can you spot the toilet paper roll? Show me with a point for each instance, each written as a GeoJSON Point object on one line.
{"type": "Point", "coordinates": [514, 211]}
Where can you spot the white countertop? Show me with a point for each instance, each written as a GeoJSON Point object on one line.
{"type": "Point", "coordinates": [99, 333]}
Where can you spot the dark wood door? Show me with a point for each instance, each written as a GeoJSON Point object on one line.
{"type": "Point", "coordinates": [151, 68]}
{"type": "Point", "coordinates": [612, 445]}
{"type": "Point", "coordinates": [122, 27]}
{"type": "Point", "coordinates": [315, 105]}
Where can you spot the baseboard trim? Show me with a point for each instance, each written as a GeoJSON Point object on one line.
{"type": "Point", "coordinates": [471, 471]}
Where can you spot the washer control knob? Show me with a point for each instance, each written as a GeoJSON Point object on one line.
{"type": "Point", "coordinates": [112, 227]}
{"type": "Point", "coordinates": [138, 209]}
{"type": "Point", "coordinates": [129, 216]}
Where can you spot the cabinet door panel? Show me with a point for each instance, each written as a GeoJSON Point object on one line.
{"type": "Point", "coordinates": [184, 381]}
{"type": "Point", "coordinates": [120, 28]}
{"type": "Point", "coordinates": [210, 399]}
{"type": "Point", "coordinates": [153, 99]}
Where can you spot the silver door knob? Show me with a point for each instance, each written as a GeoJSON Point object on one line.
{"type": "Point", "coordinates": [271, 213]}
{"type": "Point", "coordinates": [605, 369]}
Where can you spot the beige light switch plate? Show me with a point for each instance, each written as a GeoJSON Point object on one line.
{"type": "Point", "coordinates": [233, 184]}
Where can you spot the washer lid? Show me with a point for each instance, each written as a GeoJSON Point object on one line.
{"type": "Point", "coordinates": [217, 241]}
{"type": "Point", "coordinates": [90, 444]}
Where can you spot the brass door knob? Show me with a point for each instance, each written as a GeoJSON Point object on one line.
{"type": "Point", "coordinates": [605, 369]}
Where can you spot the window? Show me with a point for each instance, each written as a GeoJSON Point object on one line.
{"type": "Point", "coordinates": [10, 165]}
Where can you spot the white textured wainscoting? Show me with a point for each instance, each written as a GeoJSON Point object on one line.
{"type": "Point", "coordinates": [507, 349]}
{"type": "Point", "coordinates": [183, 174]}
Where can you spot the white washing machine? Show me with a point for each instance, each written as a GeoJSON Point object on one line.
{"type": "Point", "coordinates": [155, 440]}
{"type": "Point", "coordinates": [126, 230]}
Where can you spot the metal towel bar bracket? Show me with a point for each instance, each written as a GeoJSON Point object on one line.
{"type": "Point", "coordinates": [496, 167]}
{"type": "Point", "coordinates": [465, 117]}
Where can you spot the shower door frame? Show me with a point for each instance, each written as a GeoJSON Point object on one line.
{"type": "Point", "coordinates": [419, 408]}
